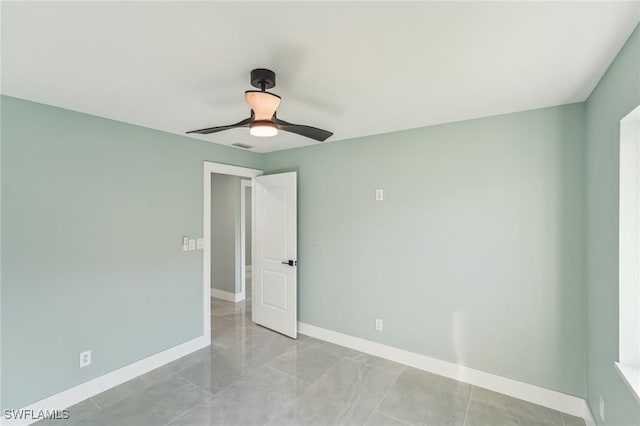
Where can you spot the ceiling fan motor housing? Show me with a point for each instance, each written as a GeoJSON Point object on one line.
{"type": "Point", "coordinates": [262, 78]}
{"type": "Point", "coordinates": [263, 120]}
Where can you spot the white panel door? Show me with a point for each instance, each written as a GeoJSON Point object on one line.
{"type": "Point", "coordinates": [273, 264]}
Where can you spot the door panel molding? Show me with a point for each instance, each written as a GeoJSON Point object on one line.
{"type": "Point", "coordinates": [274, 245]}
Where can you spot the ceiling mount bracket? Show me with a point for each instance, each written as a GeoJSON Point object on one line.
{"type": "Point", "coordinates": [262, 78]}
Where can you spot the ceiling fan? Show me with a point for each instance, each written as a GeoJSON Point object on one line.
{"type": "Point", "coordinates": [263, 120]}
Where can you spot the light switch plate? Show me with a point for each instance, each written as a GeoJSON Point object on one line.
{"type": "Point", "coordinates": [379, 194]}
{"type": "Point", "coordinates": [379, 324]}
{"type": "Point", "coordinates": [200, 243]}
{"type": "Point", "coordinates": [185, 243]}
{"type": "Point", "coordinates": [192, 244]}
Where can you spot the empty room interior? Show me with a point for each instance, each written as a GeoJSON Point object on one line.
{"type": "Point", "coordinates": [320, 213]}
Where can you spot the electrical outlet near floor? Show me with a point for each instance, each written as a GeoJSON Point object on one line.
{"type": "Point", "coordinates": [378, 324]}
{"type": "Point", "coordinates": [85, 358]}
{"type": "Point", "coordinates": [601, 408]}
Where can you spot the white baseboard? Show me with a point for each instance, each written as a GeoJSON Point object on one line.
{"type": "Point", "coordinates": [588, 416]}
{"type": "Point", "coordinates": [69, 397]}
{"type": "Point", "coordinates": [227, 295]}
{"type": "Point", "coordinates": [535, 394]}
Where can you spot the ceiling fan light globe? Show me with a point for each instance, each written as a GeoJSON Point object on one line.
{"type": "Point", "coordinates": [263, 129]}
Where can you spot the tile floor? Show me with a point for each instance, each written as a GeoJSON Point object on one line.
{"type": "Point", "coordinates": [253, 376]}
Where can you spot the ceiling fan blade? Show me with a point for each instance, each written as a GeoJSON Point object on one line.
{"type": "Point", "coordinates": [306, 131]}
{"type": "Point", "coordinates": [244, 123]}
{"type": "Point", "coordinates": [263, 104]}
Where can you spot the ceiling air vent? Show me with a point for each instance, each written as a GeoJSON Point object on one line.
{"type": "Point", "coordinates": [242, 145]}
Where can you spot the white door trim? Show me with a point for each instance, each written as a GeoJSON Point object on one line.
{"type": "Point", "coordinates": [208, 169]}
{"type": "Point", "coordinates": [244, 184]}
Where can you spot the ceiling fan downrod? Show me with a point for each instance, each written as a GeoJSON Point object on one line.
{"type": "Point", "coordinates": [263, 79]}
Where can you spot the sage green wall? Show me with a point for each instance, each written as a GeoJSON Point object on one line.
{"type": "Point", "coordinates": [225, 231]}
{"type": "Point", "coordinates": [474, 257]}
{"type": "Point", "coordinates": [617, 93]}
{"type": "Point", "coordinates": [93, 214]}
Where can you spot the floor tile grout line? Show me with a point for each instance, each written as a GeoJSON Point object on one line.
{"type": "Point", "coordinates": [219, 390]}
{"type": "Point", "coordinates": [385, 396]}
{"type": "Point", "coordinates": [101, 409]}
{"type": "Point", "coordinates": [147, 386]}
{"type": "Point", "coordinates": [466, 413]}
{"type": "Point", "coordinates": [338, 358]}
{"type": "Point", "coordinates": [277, 370]}
{"type": "Point", "coordinates": [308, 385]}
{"type": "Point", "coordinates": [378, 367]}
{"type": "Point", "coordinates": [390, 416]}
{"type": "Point", "coordinates": [301, 393]}
{"type": "Point", "coordinates": [286, 407]}
{"type": "Point", "coordinates": [177, 373]}
{"type": "Point", "coordinates": [326, 372]}
{"type": "Point", "coordinates": [278, 413]}
{"type": "Point", "coordinates": [188, 411]}
{"type": "Point", "coordinates": [85, 416]}
{"type": "Point", "coordinates": [228, 385]}
{"type": "Point", "coordinates": [94, 403]}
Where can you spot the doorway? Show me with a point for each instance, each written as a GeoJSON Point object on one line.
{"type": "Point", "coordinates": [228, 229]}
{"type": "Point", "coordinates": [246, 191]}
{"type": "Point", "coordinates": [212, 171]}
{"type": "Point", "coordinates": [274, 247]}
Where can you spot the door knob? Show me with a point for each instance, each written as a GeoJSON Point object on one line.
{"type": "Point", "coordinates": [290, 262]}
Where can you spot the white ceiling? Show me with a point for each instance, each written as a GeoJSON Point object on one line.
{"type": "Point", "coordinates": [356, 69]}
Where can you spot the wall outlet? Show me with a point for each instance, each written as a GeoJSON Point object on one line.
{"type": "Point", "coordinates": [378, 324]}
{"type": "Point", "coordinates": [601, 406]}
{"type": "Point", "coordinates": [85, 359]}
{"type": "Point", "coordinates": [200, 243]}
{"type": "Point", "coordinates": [379, 194]}
{"type": "Point", "coordinates": [192, 244]}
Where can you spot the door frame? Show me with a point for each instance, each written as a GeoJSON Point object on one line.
{"type": "Point", "coordinates": [208, 169]}
{"type": "Point", "coordinates": [244, 184]}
